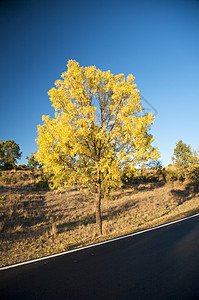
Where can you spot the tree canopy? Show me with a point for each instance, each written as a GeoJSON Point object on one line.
{"type": "Point", "coordinates": [9, 153]}
{"type": "Point", "coordinates": [185, 159]}
{"type": "Point", "coordinates": [182, 154]}
{"type": "Point", "coordinates": [99, 128]}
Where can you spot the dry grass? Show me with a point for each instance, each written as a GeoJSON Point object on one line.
{"type": "Point", "coordinates": [35, 223]}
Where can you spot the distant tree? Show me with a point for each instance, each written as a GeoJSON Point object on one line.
{"type": "Point", "coordinates": [98, 129]}
{"type": "Point", "coordinates": [9, 153]}
{"type": "Point", "coordinates": [182, 154]}
{"type": "Point", "coordinates": [32, 161]}
{"type": "Point", "coordinates": [183, 158]}
{"type": "Point", "coordinates": [33, 164]}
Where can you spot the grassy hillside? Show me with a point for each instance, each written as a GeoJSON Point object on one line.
{"type": "Point", "coordinates": [36, 221]}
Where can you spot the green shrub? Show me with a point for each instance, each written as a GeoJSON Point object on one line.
{"type": "Point", "coordinates": [127, 177]}
{"type": "Point", "coordinates": [42, 182]}
{"type": "Point", "coordinates": [152, 178]}
{"type": "Point", "coordinates": [171, 176]}
{"type": "Point", "coordinates": [192, 175]}
{"type": "Point", "coordinates": [132, 178]}
{"type": "Point", "coordinates": [5, 179]}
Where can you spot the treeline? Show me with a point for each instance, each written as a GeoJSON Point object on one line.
{"type": "Point", "coordinates": [185, 165]}
{"type": "Point", "coordinates": [185, 168]}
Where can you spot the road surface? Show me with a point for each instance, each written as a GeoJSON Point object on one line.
{"type": "Point", "coordinates": [159, 264]}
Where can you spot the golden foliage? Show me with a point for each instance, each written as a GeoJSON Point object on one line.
{"type": "Point", "coordinates": [98, 129]}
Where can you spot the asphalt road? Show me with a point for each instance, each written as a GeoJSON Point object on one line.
{"type": "Point", "coordinates": [159, 264]}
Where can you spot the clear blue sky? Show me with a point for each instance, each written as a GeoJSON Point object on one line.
{"type": "Point", "coordinates": [156, 41]}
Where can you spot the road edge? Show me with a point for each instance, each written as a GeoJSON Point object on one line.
{"type": "Point", "coordinates": [97, 244]}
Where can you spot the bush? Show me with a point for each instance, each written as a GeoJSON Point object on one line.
{"type": "Point", "coordinates": [171, 176]}
{"type": "Point", "coordinates": [127, 177]}
{"type": "Point", "coordinates": [42, 182]}
{"type": "Point", "coordinates": [5, 179]}
{"type": "Point", "coordinates": [131, 177]}
{"type": "Point", "coordinates": [7, 167]}
{"type": "Point", "coordinates": [193, 175]}
{"type": "Point", "coordinates": [146, 178]}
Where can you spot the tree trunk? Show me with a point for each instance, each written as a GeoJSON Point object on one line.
{"type": "Point", "coordinates": [98, 204]}
{"type": "Point", "coordinates": [98, 213]}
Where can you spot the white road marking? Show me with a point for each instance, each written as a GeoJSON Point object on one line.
{"type": "Point", "coordinates": [97, 244]}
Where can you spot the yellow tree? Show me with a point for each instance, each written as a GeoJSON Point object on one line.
{"type": "Point", "coordinates": [98, 130]}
